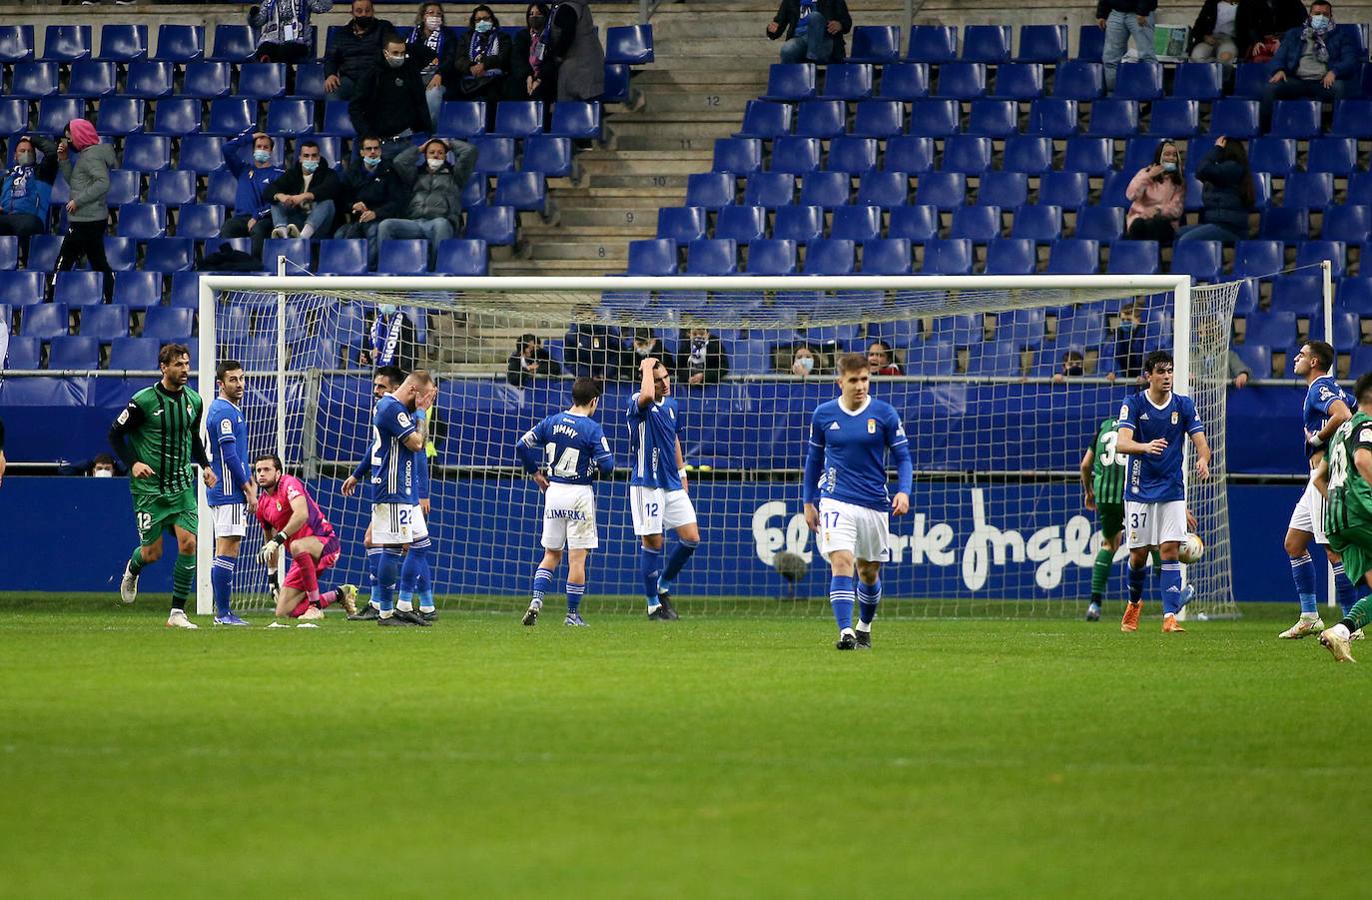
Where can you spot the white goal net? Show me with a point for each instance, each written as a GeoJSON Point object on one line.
{"type": "Point", "coordinates": [1002, 385]}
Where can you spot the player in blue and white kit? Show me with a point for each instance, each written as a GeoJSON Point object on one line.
{"type": "Point", "coordinates": [233, 499]}
{"type": "Point", "coordinates": [845, 470]}
{"type": "Point", "coordinates": [1327, 406]}
{"type": "Point", "coordinates": [657, 487]}
{"type": "Point", "coordinates": [1152, 426]}
{"type": "Point", "coordinates": [563, 453]}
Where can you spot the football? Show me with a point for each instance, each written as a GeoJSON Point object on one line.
{"type": "Point", "coordinates": [1191, 549]}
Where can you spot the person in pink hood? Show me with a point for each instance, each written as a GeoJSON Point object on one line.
{"type": "Point", "coordinates": [87, 212]}
{"type": "Point", "coordinates": [1157, 195]}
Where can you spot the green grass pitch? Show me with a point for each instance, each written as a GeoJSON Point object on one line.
{"type": "Point", "coordinates": [721, 757]}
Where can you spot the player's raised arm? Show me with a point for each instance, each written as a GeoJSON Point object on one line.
{"type": "Point", "coordinates": [647, 386]}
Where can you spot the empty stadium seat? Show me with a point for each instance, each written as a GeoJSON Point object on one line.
{"type": "Point", "coordinates": [169, 323]}
{"type": "Point", "coordinates": [496, 225]}
{"type": "Point", "coordinates": [232, 43]}
{"type": "Point", "coordinates": [180, 43]}
{"type": "Point", "coordinates": [462, 256]}
{"type": "Point", "coordinates": [146, 152]}
{"type": "Point", "coordinates": [936, 118]}
{"type": "Point", "coordinates": [1068, 190]}
{"type": "Point", "coordinates": [579, 119]}
{"type": "Point", "coordinates": [710, 256]}
{"type": "Point", "coordinates": [1138, 81]}
{"type": "Point", "coordinates": [884, 189]}
{"type": "Point", "coordinates": [1011, 256]}
{"type": "Point", "coordinates": [1042, 43]}
{"type": "Point", "coordinates": [764, 119]}
{"type": "Point", "coordinates": [875, 44]}
{"type": "Point", "coordinates": [795, 223]}
{"type": "Point", "coordinates": [494, 155]}
{"type": "Point", "coordinates": [1072, 256]}
{"type": "Point", "coordinates": [1019, 81]}
{"type": "Point", "coordinates": [79, 288]}
{"type": "Point", "coordinates": [828, 256]}
{"type": "Point", "coordinates": [1174, 118]}
{"type": "Point", "coordinates": [262, 81]}
{"type": "Point", "coordinates": [14, 116]}
{"type": "Point", "coordinates": [44, 321]}
{"type": "Point", "coordinates": [1258, 258]}
{"type": "Point", "coordinates": [290, 118]}
{"type": "Point", "coordinates": [177, 116]}
{"type": "Point", "coordinates": [207, 80]}
{"type": "Point", "coordinates": [986, 43]}
{"type": "Point", "coordinates": [142, 220]}
{"type": "Point", "coordinates": [169, 254]}
{"type": "Point", "coordinates": [1078, 80]}
{"type": "Point", "coordinates": [74, 353]}
{"type": "Point", "coordinates": [1271, 329]}
{"type": "Point", "coordinates": [229, 116]}
{"type": "Point", "coordinates": [172, 188]}
{"type": "Point", "coordinates": [1090, 42]}
{"type": "Point", "coordinates": [878, 118]}
{"type": "Point", "coordinates": [1005, 189]}
{"type": "Point", "coordinates": [1092, 155]}
{"type": "Point", "coordinates": [105, 323]}
{"type": "Point", "coordinates": [888, 256]}
{"type": "Point", "coordinates": [23, 288]}
{"type": "Point", "coordinates": [149, 79]}
{"type": "Point", "coordinates": [1234, 117]}
{"type": "Point", "coordinates": [1312, 253]}
{"type": "Point", "coordinates": [1348, 223]}
{"type": "Point", "coordinates": [1054, 118]}
{"type": "Point", "coordinates": [1336, 155]}
{"type": "Point", "coordinates": [120, 116]}
{"type": "Point", "coordinates": [904, 81]}
{"type": "Point", "coordinates": [795, 155]}
{"type": "Point", "coordinates": [1028, 154]}
{"type": "Point", "coordinates": [518, 118]}
{"type": "Point", "coordinates": [916, 223]}
{"type": "Point", "coordinates": [790, 82]}
{"type": "Point", "coordinates": [656, 257]}
{"type": "Point", "coordinates": [1353, 118]}
{"type": "Point", "coordinates": [1308, 190]}
{"type": "Point", "coordinates": [344, 256]}
{"type": "Point", "coordinates": [1272, 154]}
{"type": "Point", "coordinates": [67, 43]}
{"type": "Point", "coordinates": [967, 154]}
{"type": "Point", "coordinates": [459, 118]}
{"type": "Point", "coordinates": [770, 189]}
{"type": "Point", "coordinates": [55, 112]}
{"type": "Point", "coordinates": [33, 80]}
{"type": "Point", "coordinates": [772, 257]}
{"type": "Point", "coordinates": [1133, 258]}
{"type": "Point", "coordinates": [92, 78]}
{"type": "Point", "coordinates": [852, 154]}
{"type": "Point", "coordinates": [200, 221]}
{"type": "Point", "coordinates": [1114, 118]}
{"type": "Point", "coordinates": [856, 223]}
{"type": "Point", "coordinates": [682, 223]}
{"type": "Point", "coordinates": [1099, 223]}
{"type": "Point", "coordinates": [137, 290]}
{"type": "Point", "coordinates": [43, 249]}
{"type": "Point", "coordinates": [16, 43]}
{"type": "Point", "coordinates": [979, 224]}
{"type": "Point", "coordinates": [947, 257]}
{"type": "Point", "coordinates": [1298, 119]}
{"type": "Point", "coordinates": [944, 190]}
{"type": "Point", "coordinates": [910, 154]}
{"type": "Point", "coordinates": [402, 257]}
{"type": "Point", "coordinates": [549, 156]}
{"type": "Point", "coordinates": [24, 353]}
{"type": "Point", "coordinates": [221, 189]}
{"type": "Point", "coordinates": [741, 224]}
{"type": "Point", "coordinates": [993, 118]}
{"type": "Point", "coordinates": [1202, 260]}
{"type": "Point", "coordinates": [1286, 224]}
{"type": "Point", "coordinates": [9, 258]}
{"type": "Point", "coordinates": [1301, 294]}
{"type": "Point", "coordinates": [933, 44]}
{"type": "Point", "coordinates": [124, 187]}
{"type": "Point", "coordinates": [961, 80]}
{"type": "Point", "coordinates": [847, 81]}
{"type": "Point", "coordinates": [134, 353]}
{"type": "Point", "coordinates": [1041, 223]}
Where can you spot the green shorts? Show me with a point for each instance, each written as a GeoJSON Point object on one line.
{"type": "Point", "coordinates": [156, 513]}
{"type": "Point", "coordinates": [1111, 518]}
{"type": "Point", "coordinates": [1354, 545]}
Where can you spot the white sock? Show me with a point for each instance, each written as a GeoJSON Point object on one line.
{"type": "Point", "coordinates": [654, 608]}
{"type": "Point", "coordinates": [864, 626]}
{"type": "Point", "coordinates": [847, 631]}
{"type": "Point", "coordinates": [307, 231]}
{"type": "Point", "coordinates": [1341, 630]}
{"type": "Point", "coordinates": [404, 606]}
{"type": "Point", "coordinates": [387, 613]}
{"type": "Point", "coordinates": [535, 603]}
{"type": "Point", "coordinates": [1309, 617]}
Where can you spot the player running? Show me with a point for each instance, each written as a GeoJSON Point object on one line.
{"type": "Point", "coordinates": [234, 498]}
{"type": "Point", "coordinates": [1155, 496]}
{"type": "Point", "coordinates": [291, 519]}
{"type": "Point", "coordinates": [1102, 485]}
{"type": "Point", "coordinates": [572, 448]}
{"type": "Point", "coordinates": [1346, 470]}
{"type": "Point", "coordinates": [157, 435]}
{"type": "Point", "coordinates": [846, 470]}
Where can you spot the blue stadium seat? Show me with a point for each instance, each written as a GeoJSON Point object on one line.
{"type": "Point", "coordinates": [993, 359]}
{"type": "Point", "coordinates": [73, 353]}
{"type": "Point", "coordinates": [829, 256]}
{"type": "Point", "coordinates": [149, 79]}
{"type": "Point", "coordinates": [1255, 259]}
{"type": "Point", "coordinates": [200, 221]}
{"type": "Point", "coordinates": [9, 258]}
{"type": "Point", "coordinates": [146, 152]}
{"type": "Point", "coordinates": [910, 154]}
{"type": "Point", "coordinates": [801, 224]}
{"type": "Point", "coordinates": [1019, 81]}
{"type": "Point", "coordinates": [462, 256]}
{"type": "Point", "coordinates": [847, 81]}
{"type": "Point", "coordinates": [121, 253]}
{"type": "Point", "coordinates": [167, 323]}
{"type": "Point", "coordinates": [55, 112]}
{"type": "Point", "coordinates": [1133, 258]}
{"type": "Point", "coordinates": [43, 249]}
{"type": "Point", "coordinates": [961, 80]}
{"type": "Point", "coordinates": [932, 358]}
{"type": "Point", "coordinates": [769, 189]}
{"type": "Point", "coordinates": [67, 43]}
{"type": "Point", "coordinates": [290, 118]}
{"type": "Point", "coordinates": [1198, 81]}
{"type": "Point", "coordinates": [1090, 43]}
{"type": "Point", "coordinates": [1298, 119]}
{"type": "Point", "coordinates": [1351, 224]}
{"type": "Point", "coordinates": [44, 321]}
{"type": "Point", "coordinates": [740, 156]}
{"type": "Point", "coordinates": [1272, 154]}
{"type": "Point", "coordinates": [712, 257]}
{"type": "Point", "coordinates": [682, 224]}
{"type": "Point", "coordinates": [496, 225]}
{"type": "Point", "coordinates": [336, 119]}
{"type": "Point", "coordinates": [578, 119]}
{"type": "Point", "coordinates": [979, 224]}
{"type": "Point", "coordinates": [79, 288]}
{"type": "Point", "coordinates": [1355, 295]}
{"type": "Point", "coordinates": [933, 44]}
{"type": "Point", "coordinates": [1202, 260]}
{"type": "Point", "coordinates": [1312, 253]}
{"type": "Point", "coordinates": [1004, 189]}
{"type": "Point", "coordinates": [232, 43]}
{"type": "Point", "coordinates": [177, 116]}
{"type": "Point", "coordinates": [105, 322]}
{"type": "Point", "coordinates": [945, 190]}
{"type": "Point", "coordinates": [1299, 294]}
{"type": "Point", "coordinates": [550, 156]}
{"type": "Point", "coordinates": [1115, 190]}
{"type": "Point", "coordinates": [821, 118]}
{"type": "Point", "coordinates": [1068, 190]}
{"type": "Point", "coordinates": [1234, 117]}
{"type": "Point", "coordinates": [1250, 79]}
{"type": "Point", "coordinates": [884, 189]}
{"type": "Point", "coordinates": [169, 255]}
{"type": "Point", "coordinates": [92, 78]}
{"type": "Point", "coordinates": [16, 44]}
{"type": "Point", "coordinates": [656, 258]}
{"type": "Point", "coordinates": [795, 155]}
{"type": "Point", "coordinates": [1028, 154]}
{"type": "Point", "coordinates": [710, 190]}
{"type": "Point", "coordinates": [207, 80]}
{"type": "Point", "coordinates": [742, 224]}
{"type": "Point", "coordinates": [889, 256]}
{"type": "Point", "coordinates": [629, 45]}
{"type": "Point", "coordinates": [296, 250]}
{"type": "Point", "coordinates": [1174, 118]}
{"type": "Point", "coordinates": [1099, 223]}
{"type": "Point", "coordinates": [959, 330]}
{"type": "Point", "coordinates": [344, 256]}
{"type": "Point", "coordinates": [120, 116]}
{"type": "Point", "coordinates": [137, 290]}
{"type": "Point", "coordinates": [1011, 256]}
{"type": "Point", "coordinates": [1114, 118]}
{"type": "Point", "coordinates": [916, 223]}
{"type": "Point", "coordinates": [1078, 80]}
{"type": "Point", "coordinates": [33, 80]}
{"type": "Point", "coordinates": [200, 153]}
{"type": "Point", "coordinates": [180, 43]}
{"type": "Point", "coordinates": [772, 257]}
{"type": "Point", "coordinates": [1074, 257]}
{"type": "Point", "coordinates": [617, 88]}
{"type": "Point", "coordinates": [142, 220]}
{"type": "Point", "coordinates": [1092, 155]}
{"type": "Point", "coordinates": [494, 155]}
{"type": "Point", "coordinates": [1285, 224]}
{"type": "Point", "coordinates": [24, 353]}
{"type": "Point", "coordinates": [1360, 189]}
{"type": "Point", "coordinates": [1272, 329]}
{"type": "Point", "coordinates": [947, 257]}
{"type": "Point", "coordinates": [904, 81]}
{"type": "Point", "coordinates": [856, 223]}
{"type": "Point", "coordinates": [790, 82]}
{"type": "Point", "coordinates": [1042, 43]}
{"type": "Point", "coordinates": [935, 118]}
{"type": "Point", "coordinates": [966, 154]}
{"type": "Point", "coordinates": [14, 116]}
{"type": "Point", "coordinates": [1308, 190]}
{"type": "Point", "coordinates": [23, 288]}
{"type": "Point", "coordinates": [403, 257]}
{"type": "Point", "coordinates": [875, 44]}
{"type": "Point", "coordinates": [993, 118]}
{"type": "Point", "coordinates": [852, 154]}
{"type": "Point", "coordinates": [1138, 81]}
{"type": "Point", "coordinates": [185, 286]}
{"type": "Point", "coordinates": [1258, 359]}
{"type": "Point", "coordinates": [261, 81]}
{"type": "Point", "coordinates": [462, 119]}
{"type": "Point", "coordinates": [1053, 118]}
{"type": "Point", "coordinates": [309, 82]}
{"type": "Point", "coordinates": [1337, 155]}
{"type": "Point", "coordinates": [764, 119]}
{"type": "Point", "coordinates": [878, 119]}
{"type": "Point", "coordinates": [1042, 223]}
{"type": "Point", "coordinates": [986, 43]}
{"type": "Point", "coordinates": [1353, 118]}
{"type": "Point", "coordinates": [172, 188]}
{"type": "Point", "coordinates": [826, 189]}
{"type": "Point", "coordinates": [1347, 332]}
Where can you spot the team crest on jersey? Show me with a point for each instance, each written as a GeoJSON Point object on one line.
{"type": "Point", "coordinates": [1124, 411]}
{"type": "Point", "coordinates": [871, 426]}
{"type": "Point", "coordinates": [1175, 417]}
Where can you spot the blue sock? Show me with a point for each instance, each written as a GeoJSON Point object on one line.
{"type": "Point", "coordinates": [868, 596]}
{"type": "Point", "coordinates": [675, 563]}
{"type": "Point", "coordinates": [416, 561]}
{"type": "Point", "coordinates": [424, 588]}
{"type": "Point", "coordinates": [221, 579]}
{"type": "Point", "coordinates": [1303, 574]}
{"type": "Point", "coordinates": [374, 555]}
{"type": "Point", "coordinates": [1136, 580]}
{"type": "Point", "coordinates": [1171, 586]}
{"type": "Point", "coordinates": [841, 599]}
{"type": "Point", "coordinates": [650, 567]}
{"type": "Point", "coordinates": [574, 593]}
{"type": "Point", "coordinates": [1344, 591]}
{"type": "Point", "coordinates": [543, 582]}
{"type": "Point", "coordinates": [387, 574]}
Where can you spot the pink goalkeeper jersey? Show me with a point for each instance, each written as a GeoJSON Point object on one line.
{"type": "Point", "coordinates": [274, 511]}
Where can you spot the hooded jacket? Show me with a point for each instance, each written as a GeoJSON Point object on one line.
{"type": "Point", "coordinates": [89, 179]}
{"type": "Point", "coordinates": [435, 195]}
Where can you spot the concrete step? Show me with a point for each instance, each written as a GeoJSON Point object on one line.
{"type": "Point", "coordinates": [598, 169]}
{"type": "Point", "coordinates": [557, 267]}
{"type": "Point", "coordinates": [701, 101]}
{"type": "Point", "coordinates": [653, 80]}
{"type": "Point", "coordinates": [702, 140]}
{"type": "Point", "coordinates": [590, 234]}
{"type": "Point", "coordinates": [605, 251]}
{"type": "Point", "coordinates": [670, 132]}
{"type": "Point", "coordinates": [606, 215]}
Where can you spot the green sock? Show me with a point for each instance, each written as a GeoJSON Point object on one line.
{"type": "Point", "coordinates": [1157, 561]}
{"type": "Point", "coordinates": [136, 563]}
{"type": "Point", "coordinates": [183, 579]}
{"type": "Point", "coordinates": [1100, 572]}
{"type": "Point", "coordinates": [1360, 614]}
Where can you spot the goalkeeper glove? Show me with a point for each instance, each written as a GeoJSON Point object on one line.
{"type": "Point", "coordinates": [264, 556]}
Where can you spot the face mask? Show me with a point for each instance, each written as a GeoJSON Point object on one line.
{"type": "Point", "coordinates": [261, 156]}
{"type": "Point", "coordinates": [1169, 167]}
{"type": "Point", "coordinates": [537, 22]}
{"type": "Point", "coordinates": [1076, 370]}
{"type": "Point", "coordinates": [434, 164]}
{"type": "Point", "coordinates": [388, 309]}
{"type": "Point", "coordinates": [433, 23]}
{"type": "Point", "coordinates": [102, 473]}
{"type": "Point", "coordinates": [363, 24]}
{"type": "Point", "coordinates": [23, 159]}
{"type": "Point", "coordinates": [309, 165]}
{"type": "Point", "coordinates": [484, 26]}
{"type": "Point", "coordinates": [807, 363]}
{"type": "Point", "coordinates": [371, 162]}
{"type": "Point", "coordinates": [395, 62]}
{"type": "Point", "coordinates": [1319, 23]}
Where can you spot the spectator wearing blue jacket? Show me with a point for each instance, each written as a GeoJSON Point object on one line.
{"type": "Point", "coordinates": [27, 191]}
{"type": "Point", "coordinates": [1314, 62]}
{"type": "Point", "coordinates": [252, 206]}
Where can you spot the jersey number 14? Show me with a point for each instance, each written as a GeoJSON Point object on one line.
{"type": "Point", "coordinates": [564, 466]}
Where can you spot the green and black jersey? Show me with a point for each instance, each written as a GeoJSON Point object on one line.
{"type": "Point", "coordinates": [1350, 496]}
{"type": "Point", "coordinates": [1109, 467]}
{"type": "Point", "coordinates": [161, 429]}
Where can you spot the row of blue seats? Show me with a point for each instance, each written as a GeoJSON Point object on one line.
{"type": "Point", "coordinates": [127, 43]}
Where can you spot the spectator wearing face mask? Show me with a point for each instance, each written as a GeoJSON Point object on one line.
{"type": "Point", "coordinates": [573, 46]}
{"type": "Point", "coordinates": [647, 344]}
{"type": "Point", "coordinates": [390, 340]}
{"type": "Point", "coordinates": [356, 52]}
{"type": "Point", "coordinates": [435, 185]}
{"type": "Point", "coordinates": [284, 29]}
{"type": "Point", "coordinates": [803, 362]}
{"type": "Point", "coordinates": [433, 50]}
{"type": "Point", "coordinates": [88, 213]}
{"type": "Point", "coordinates": [477, 70]}
{"type": "Point", "coordinates": [533, 76]}
{"type": "Point", "coordinates": [1315, 61]}
{"type": "Point", "coordinates": [305, 198]}
{"type": "Point", "coordinates": [530, 360]}
{"type": "Point", "coordinates": [372, 193]}
{"type": "Point", "coordinates": [27, 191]}
{"type": "Point", "coordinates": [102, 466]}
{"type": "Point", "coordinates": [705, 359]}
{"type": "Point", "coordinates": [390, 101]}
{"type": "Point", "coordinates": [1073, 366]}
{"type": "Point", "coordinates": [252, 204]}
{"type": "Point", "coordinates": [1157, 196]}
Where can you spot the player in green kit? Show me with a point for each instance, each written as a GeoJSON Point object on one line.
{"type": "Point", "coordinates": [157, 435]}
{"type": "Point", "coordinates": [1102, 484]}
{"type": "Point", "coordinates": [1344, 476]}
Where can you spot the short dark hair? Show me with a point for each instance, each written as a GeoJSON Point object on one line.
{"type": "Point", "coordinates": [368, 137]}
{"type": "Point", "coordinates": [171, 352]}
{"type": "Point", "coordinates": [1362, 386]}
{"type": "Point", "coordinates": [392, 37]}
{"type": "Point", "coordinates": [394, 374]}
{"type": "Point", "coordinates": [103, 459]}
{"type": "Point", "coordinates": [880, 345]}
{"type": "Point", "coordinates": [1155, 359]}
{"type": "Point", "coordinates": [852, 362]}
{"type": "Point", "coordinates": [1073, 356]}
{"type": "Point", "coordinates": [1322, 3]}
{"type": "Point", "coordinates": [585, 390]}
{"type": "Point", "coordinates": [276, 460]}
{"type": "Point", "coordinates": [225, 367]}
{"type": "Point", "coordinates": [1323, 353]}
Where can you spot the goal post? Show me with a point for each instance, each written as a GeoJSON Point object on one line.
{"type": "Point", "coordinates": [996, 526]}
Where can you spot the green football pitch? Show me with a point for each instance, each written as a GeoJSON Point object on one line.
{"type": "Point", "coordinates": [722, 757]}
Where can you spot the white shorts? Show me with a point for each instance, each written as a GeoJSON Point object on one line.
{"type": "Point", "coordinates": [861, 531]}
{"type": "Point", "coordinates": [397, 523]}
{"type": "Point", "coordinates": [569, 517]}
{"type": "Point", "coordinates": [656, 511]}
{"type": "Point", "coordinates": [1154, 524]}
{"type": "Point", "coordinates": [230, 520]}
{"type": "Point", "coordinates": [1308, 516]}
